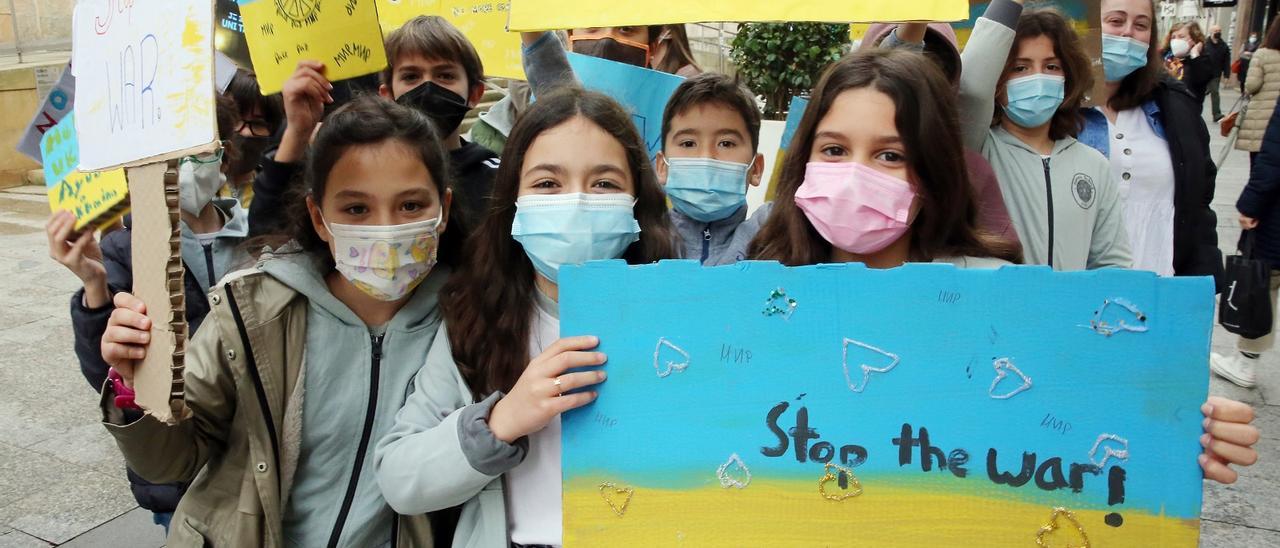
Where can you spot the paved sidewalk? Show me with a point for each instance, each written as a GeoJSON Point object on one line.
{"type": "Point", "coordinates": [62, 479]}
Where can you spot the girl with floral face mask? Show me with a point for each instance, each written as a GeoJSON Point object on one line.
{"type": "Point", "coordinates": [306, 357]}
{"type": "Point", "coordinates": [1024, 79]}
{"type": "Point", "coordinates": [575, 185]}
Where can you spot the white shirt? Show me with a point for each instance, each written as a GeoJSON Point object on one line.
{"type": "Point", "coordinates": [1143, 171]}
{"type": "Point", "coordinates": [533, 488]}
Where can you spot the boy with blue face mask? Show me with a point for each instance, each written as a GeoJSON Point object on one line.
{"type": "Point", "coordinates": [710, 134]}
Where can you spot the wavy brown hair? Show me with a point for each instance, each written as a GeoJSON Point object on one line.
{"type": "Point", "coordinates": [1075, 62]}
{"type": "Point", "coordinates": [1138, 87]}
{"type": "Point", "coordinates": [488, 303]}
{"type": "Point", "coordinates": [929, 126]}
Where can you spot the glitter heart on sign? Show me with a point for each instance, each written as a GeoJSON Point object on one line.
{"type": "Point", "coordinates": [831, 472]}
{"type": "Point", "coordinates": [618, 498]}
{"type": "Point", "coordinates": [1055, 535]}
{"type": "Point", "coordinates": [734, 473]}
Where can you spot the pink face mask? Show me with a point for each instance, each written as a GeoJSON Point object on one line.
{"type": "Point", "coordinates": [854, 207]}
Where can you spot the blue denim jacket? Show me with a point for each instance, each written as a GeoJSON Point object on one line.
{"type": "Point", "coordinates": [1096, 134]}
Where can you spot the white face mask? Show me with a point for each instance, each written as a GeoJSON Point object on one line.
{"type": "Point", "coordinates": [1179, 47]}
{"type": "Point", "coordinates": [386, 262]}
{"type": "Point", "coordinates": [198, 182]}
{"type": "Point", "coordinates": [1253, 39]}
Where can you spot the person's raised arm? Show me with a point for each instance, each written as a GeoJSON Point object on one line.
{"type": "Point", "coordinates": [546, 66]}
{"type": "Point", "coordinates": [982, 64]}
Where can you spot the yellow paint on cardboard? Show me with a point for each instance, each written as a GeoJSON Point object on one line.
{"type": "Point", "coordinates": [344, 35]}
{"type": "Point", "coordinates": [484, 23]}
{"type": "Point", "coordinates": [194, 72]}
{"type": "Point", "coordinates": [792, 513]}
{"type": "Point", "coordinates": [566, 14]}
{"type": "Point", "coordinates": [89, 195]}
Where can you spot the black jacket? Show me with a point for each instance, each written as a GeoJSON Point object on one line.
{"type": "Point", "coordinates": [1261, 196]}
{"type": "Point", "coordinates": [1196, 74]}
{"type": "Point", "coordinates": [1195, 225]}
{"type": "Point", "coordinates": [88, 326]}
{"type": "Point", "coordinates": [1220, 52]}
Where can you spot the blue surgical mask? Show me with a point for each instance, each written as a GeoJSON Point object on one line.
{"type": "Point", "coordinates": [1033, 100]}
{"type": "Point", "coordinates": [570, 229]}
{"type": "Point", "coordinates": [704, 189]}
{"type": "Point", "coordinates": [1122, 56]}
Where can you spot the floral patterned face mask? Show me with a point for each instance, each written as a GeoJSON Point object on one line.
{"type": "Point", "coordinates": [386, 262]}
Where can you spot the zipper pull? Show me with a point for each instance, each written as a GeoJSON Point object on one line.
{"type": "Point", "coordinates": [706, 234]}
{"type": "Point", "coordinates": [377, 346]}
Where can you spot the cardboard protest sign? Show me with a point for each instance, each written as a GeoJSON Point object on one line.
{"type": "Point", "coordinates": [344, 35]}
{"type": "Point", "coordinates": [483, 22]}
{"type": "Point", "coordinates": [228, 34]}
{"type": "Point", "coordinates": [96, 199]}
{"type": "Point", "coordinates": [59, 102]}
{"type": "Point", "coordinates": [794, 113]}
{"type": "Point", "coordinates": [567, 14]}
{"type": "Point", "coordinates": [643, 92]}
{"type": "Point", "coordinates": [144, 70]}
{"type": "Point", "coordinates": [758, 405]}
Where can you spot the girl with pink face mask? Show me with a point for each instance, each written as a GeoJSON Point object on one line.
{"type": "Point", "coordinates": [860, 186]}
{"type": "Point", "coordinates": [877, 176]}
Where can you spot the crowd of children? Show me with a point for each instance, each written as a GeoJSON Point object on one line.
{"type": "Point", "coordinates": [379, 240]}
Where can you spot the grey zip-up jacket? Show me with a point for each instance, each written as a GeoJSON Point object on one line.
{"type": "Point", "coordinates": [719, 242]}
{"type": "Point", "coordinates": [1066, 207]}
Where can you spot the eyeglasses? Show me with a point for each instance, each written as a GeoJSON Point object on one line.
{"type": "Point", "coordinates": [257, 128]}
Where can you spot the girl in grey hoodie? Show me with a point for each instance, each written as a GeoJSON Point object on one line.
{"type": "Point", "coordinates": [1059, 192]}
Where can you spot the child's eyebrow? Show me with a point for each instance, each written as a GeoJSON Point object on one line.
{"type": "Point", "coordinates": [550, 168]}
{"type": "Point", "coordinates": [607, 168]}
{"type": "Point", "coordinates": [829, 135]}
{"type": "Point", "coordinates": [352, 194]}
{"type": "Point", "coordinates": [889, 140]}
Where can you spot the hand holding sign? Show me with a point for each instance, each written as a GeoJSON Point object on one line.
{"type": "Point", "coordinates": [540, 394]}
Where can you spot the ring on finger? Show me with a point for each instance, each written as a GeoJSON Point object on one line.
{"type": "Point", "coordinates": [559, 391]}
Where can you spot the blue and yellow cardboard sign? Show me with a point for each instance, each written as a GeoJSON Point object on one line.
{"type": "Point", "coordinates": [922, 406]}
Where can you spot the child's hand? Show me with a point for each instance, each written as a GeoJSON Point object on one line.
{"type": "Point", "coordinates": [1228, 438]}
{"type": "Point", "coordinates": [539, 395]}
{"type": "Point", "coordinates": [305, 95]}
{"type": "Point", "coordinates": [124, 343]}
{"type": "Point", "coordinates": [81, 256]}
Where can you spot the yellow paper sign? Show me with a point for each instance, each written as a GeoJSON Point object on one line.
{"type": "Point", "coordinates": [98, 198]}
{"type": "Point", "coordinates": [566, 14]}
{"type": "Point", "coordinates": [483, 22]}
{"type": "Point", "coordinates": [344, 35]}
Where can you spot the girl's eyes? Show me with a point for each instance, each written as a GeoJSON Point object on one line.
{"type": "Point", "coordinates": [1020, 68]}
{"type": "Point", "coordinates": [606, 184]}
{"type": "Point", "coordinates": [413, 207]}
{"type": "Point", "coordinates": [356, 210]}
{"type": "Point", "coordinates": [546, 183]}
{"type": "Point", "coordinates": [1054, 68]}
{"type": "Point", "coordinates": [891, 156]}
{"type": "Point", "coordinates": [687, 143]}
{"type": "Point", "coordinates": [833, 150]}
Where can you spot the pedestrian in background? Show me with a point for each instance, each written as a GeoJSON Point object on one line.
{"type": "Point", "coordinates": [1219, 51]}
{"type": "Point", "coordinates": [1185, 58]}
{"type": "Point", "coordinates": [1246, 55]}
{"type": "Point", "coordinates": [1263, 85]}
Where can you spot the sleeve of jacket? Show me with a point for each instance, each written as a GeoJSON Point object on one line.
{"type": "Point", "coordinates": [268, 215]}
{"type": "Point", "coordinates": [1110, 242]}
{"type": "Point", "coordinates": [1259, 196]}
{"type": "Point", "coordinates": [982, 65]}
{"type": "Point", "coordinates": [162, 453]}
{"type": "Point", "coordinates": [1197, 73]}
{"type": "Point", "coordinates": [546, 65]}
{"type": "Point", "coordinates": [440, 451]}
{"type": "Point", "coordinates": [1254, 78]}
{"type": "Point", "coordinates": [1206, 258]}
{"type": "Point", "coordinates": [88, 324]}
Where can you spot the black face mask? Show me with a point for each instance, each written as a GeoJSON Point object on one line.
{"type": "Point", "coordinates": [608, 48]}
{"type": "Point", "coordinates": [251, 150]}
{"type": "Point", "coordinates": [445, 108]}
{"type": "Point", "coordinates": [1217, 36]}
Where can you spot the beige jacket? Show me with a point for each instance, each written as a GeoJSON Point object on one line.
{"type": "Point", "coordinates": [228, 446]}
{"type": "Point", "coordinates": [1263, 83]}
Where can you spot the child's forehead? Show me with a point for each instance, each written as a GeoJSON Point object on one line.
{"type": "Point", "coordinates": [416, 60]}
{"type": "Point", "coordinates": [709, 116]}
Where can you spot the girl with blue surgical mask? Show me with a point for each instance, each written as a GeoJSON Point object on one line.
{"type": "Point", "coordinates": [481, 428]}
{"type": "Point", "coordinates": [1023, 82]}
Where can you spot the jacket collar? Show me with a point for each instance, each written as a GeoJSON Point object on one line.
{"type": "Point", "coordinates": [683, 221]}
{"type": "Point", "coordinates": [1059, 146]}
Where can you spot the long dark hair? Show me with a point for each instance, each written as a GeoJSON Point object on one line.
{"type": "Point", "coordinates": [370, 120]}
{"type": "Point", "coordinates": [1136, 88]}
{"type": "Point", "coordinates": [488, 303]}
{"type": "Point", "coordinates": [1272, 40]}
{"type": "Point", "coordinates": [929, 126]}
{"type": "Point", "coordinates": [679, 54]}
{"type": "Point", "coordinates": [1076, 64]}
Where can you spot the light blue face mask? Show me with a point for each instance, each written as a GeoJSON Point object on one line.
{"type": "Point", "coordinates": [570, 229]}
{"type": "Point", "coordinates": [706, 190]}
{"type": "Point", "coordinates": [1034, 99]}
{"type": "Point", "coordinates": [1122, 56]}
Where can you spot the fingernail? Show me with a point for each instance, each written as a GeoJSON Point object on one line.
{"type": "Point", "coordinates": [1207, 409]}
{"type": "Point", "coordinates": [602, 376]}
{"type": "Point", "coordinates": [1203, 458]}
{"type": "Point", "coordinates": [1204, 440]}
{"type": "Point", "coordinates": [600, 357]}
{"type": "Point", "coordinates": [595, 339]}
{"type": "Point", "coordinates": [1206, 422]}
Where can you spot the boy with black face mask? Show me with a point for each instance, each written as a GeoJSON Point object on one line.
{"type": "Point", "coordinates": [433, 69]}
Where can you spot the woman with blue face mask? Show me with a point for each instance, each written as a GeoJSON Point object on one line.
{"type": "Point", "coordinates": [1058, 191]}
{"type": "Point", "coordinates": [1149, 127]}
{"type": "Point", "coordinates": [481, 428]}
